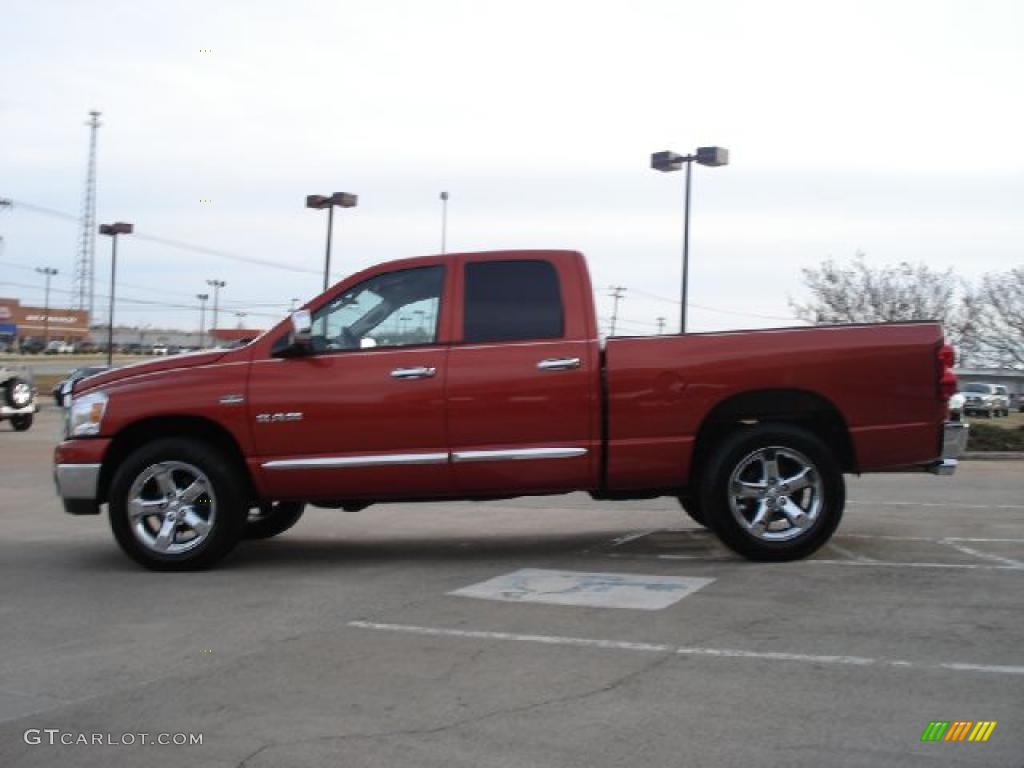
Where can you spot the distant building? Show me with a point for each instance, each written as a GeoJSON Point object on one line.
{"type": "Point", "coordinates": [225, 336]}
{"type": "Point", "coordinates": [19, 321]}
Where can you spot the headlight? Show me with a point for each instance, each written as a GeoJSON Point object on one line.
{"type": "Point", "coordinates": [21, 394]}
{"type": "Point", "coordinates": [85, 416]}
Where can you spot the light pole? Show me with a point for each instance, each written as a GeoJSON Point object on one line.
{"type": "Point", "coordinates": [48, 272]}
{"type": "Point", "coordinates": [670, 161]}
{"type": "Point", "coordinates": [240, 316]}
{"type": "Point", "coordinates": [113, 230]}
{"type": "Point", "coordinates": [661, 325]}
{"type": "Point", "coordinates": [617, 293]}
{"type": "Point", "coordinates": [216, 285]}
{"type": "Point", "coordinates": [203, 298]}
{"type": "Point", "coordinates": [444, 222]}
{"type": "Point", "coordinates": [341, 200]}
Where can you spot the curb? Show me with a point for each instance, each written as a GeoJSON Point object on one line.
{"type": "Point", "coordinates": [993, 456]}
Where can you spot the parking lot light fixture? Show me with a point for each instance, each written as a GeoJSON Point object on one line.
{"type": "Point", "coordinates": [47, 272]}
{"type": "Point", "coordinates": [216, 285]}
{"type": "Point", "coordinates": [340, 200]}
{"type": "Point", "coordinates": [203, 297]}
{"type": "Point", "coordinates": [671, 161]}
{"type": "Point", "coordinates": [113, 230]}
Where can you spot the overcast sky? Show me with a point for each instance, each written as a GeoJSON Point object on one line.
{"type": "Point", "coordinates": [895, 128]}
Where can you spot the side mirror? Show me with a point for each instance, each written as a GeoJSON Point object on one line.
{"type": "Point", "coordinates": [299, 340]}
{"type": "Point", "coordinates": [302, 327]}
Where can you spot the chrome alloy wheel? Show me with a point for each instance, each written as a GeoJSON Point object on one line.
{"type": "Point", "coordinates": [775, 493]}
{"type": "Point", "coordinates": [171, 507]}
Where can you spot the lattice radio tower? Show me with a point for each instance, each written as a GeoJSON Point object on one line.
{"type": "Point", "coordinates": [85, 264]}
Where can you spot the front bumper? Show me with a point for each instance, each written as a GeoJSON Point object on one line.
{"type": "Point", "coordinates": [76, 473]}
{"type": "Point", "coordinates": [954, 441]}
{"type": "Point", "coordinates": [6, 410]}
{"type": "Point", "coordinates": [77, 481]}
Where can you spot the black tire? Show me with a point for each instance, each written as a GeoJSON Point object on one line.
{"type": "Point", "coordinates": [21, 422]}
{"type": "Point", "coordinates": [228, 495]}
{"type": "Point", "coordinates": [269, 520]}
{"type": "Point", "coordinates": [797, 448]}
{"type": "Point", "coordinates": [15, 390]}
{"type": "Point", "coordinates": [691, 506]}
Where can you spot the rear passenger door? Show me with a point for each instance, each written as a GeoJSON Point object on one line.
{"type": "Point", "coordinates": [522, 384]}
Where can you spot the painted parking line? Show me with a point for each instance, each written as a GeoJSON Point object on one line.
{"type": "Point", "coordinates": [1007, 561]}
{"type": "Point", "coordinates": [944, 504]}
{"type": "Point", "coordinates": [727, 653]}
{"type": "Point", "coordinates": [715, 553]}
{"type": "Point", "coordinates": [885, 564]}
{"type": "Point", "coordinates": [596, 590]}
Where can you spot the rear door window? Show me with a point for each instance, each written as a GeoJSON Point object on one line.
{"type": "Point", "coordinates": [512, 301]}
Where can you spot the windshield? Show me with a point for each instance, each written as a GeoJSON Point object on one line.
{"type": "Point", "coordinates": [982, 389]}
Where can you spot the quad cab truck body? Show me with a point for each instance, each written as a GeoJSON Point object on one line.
{"type": "Point", "coordinates": [481, 375]}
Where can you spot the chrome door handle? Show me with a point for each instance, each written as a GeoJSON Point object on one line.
{"type": "Point", "coordinates": [413, 373]}
{"type": "Point", "coordinates": [559, 364]}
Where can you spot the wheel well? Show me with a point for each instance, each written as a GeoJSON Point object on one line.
{"type": "Point", "coordinates": [135, 435]}
{"type": "Point", "coordinates": [789, 406]}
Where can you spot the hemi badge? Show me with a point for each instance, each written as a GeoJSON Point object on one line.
{"type": "Point", "coordinates": [232, 400]}
{"type": "Point", "coordinates": [271, 418]}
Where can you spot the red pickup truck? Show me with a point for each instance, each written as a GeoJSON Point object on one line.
{"type": "Point", "coordinates": [482, 375]}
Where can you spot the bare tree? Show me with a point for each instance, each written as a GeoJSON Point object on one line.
{"type": "Point", "coordinates": [859, 293]}
{"type": "Point", "coordinates": [999, 319]}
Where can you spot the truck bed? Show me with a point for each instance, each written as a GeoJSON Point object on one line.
{"type": "Point", "coordinates": [879, 380]}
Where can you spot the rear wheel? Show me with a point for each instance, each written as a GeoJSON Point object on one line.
{"type": "Point", "coordinates": [269, 520]}
{"type": "Point", "coordinates": [773, 493]}
{"type": "Point", "coordinates": [21, 422]}
{"type": "Point", "coordinates": [177, 504]}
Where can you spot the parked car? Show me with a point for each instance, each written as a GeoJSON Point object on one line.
{"type": "Point", "coordinates": [986, 400]}
{"type": "Point", "coordinates": [1017, 402]}
{"type": "Point", "coordinates": [31, 346]}
{"type": "Point", "coordinates": [57, 347]}
{"type": "Point", "coordinates": [956, 406]}
{"type": "Point", "coordinates": [17, 398]}
{"type": "Point", "coordinates": [160, 349]}
{"type": "Point", "coordinates": [507, 391]}
{"type": "Point", "coordinates": [63, 387]}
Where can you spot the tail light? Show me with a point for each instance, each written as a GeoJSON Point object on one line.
{"type": "Point", "coordinates": [947, 378]}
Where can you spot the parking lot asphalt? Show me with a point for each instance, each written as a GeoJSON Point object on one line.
{"type": "Point", "coordinates": [340, 643]}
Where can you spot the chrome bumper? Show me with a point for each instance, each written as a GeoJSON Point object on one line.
{"type": "Point", "coordinates": [954, 441]}
{"type": "Point", "coordinates": [6, 410]}
{"type": "Point", "coordinates": [77, 481]}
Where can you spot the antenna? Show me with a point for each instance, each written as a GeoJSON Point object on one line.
{"type": "Point", "coordinates": [85, 263]}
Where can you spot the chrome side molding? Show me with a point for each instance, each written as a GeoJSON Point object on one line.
{"type": "Point", "coordinates": [397, 459]}
{"type": "Point", "coordinates": [348, 462]}
{"type": "Point", "coordinates": [518, 454]}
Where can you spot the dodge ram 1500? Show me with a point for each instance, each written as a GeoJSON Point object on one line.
{"type": "Point", "coordinates": [482, 375]}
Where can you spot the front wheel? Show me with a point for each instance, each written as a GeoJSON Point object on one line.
{"type": "Point", "coordinates": [177, 504]}
{"type": "Point", "coordinates": [773, 493]}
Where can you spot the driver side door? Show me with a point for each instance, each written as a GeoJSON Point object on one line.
{"type": "Point", "coordinates": [362, 415]}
